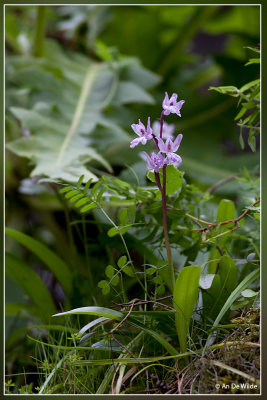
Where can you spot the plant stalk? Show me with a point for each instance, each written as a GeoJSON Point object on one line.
{"type": "Point", "coordinates": [161, 123]}
{"type": "Point", "coordinates": [38, 44]}
{"type": "Point", "coordinates": [162, 188]}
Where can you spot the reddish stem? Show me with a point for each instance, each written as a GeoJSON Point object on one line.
{"type": "Point", "coordinates": [161, 123]}
{"type": "Point", "coordinates": [162, 188]}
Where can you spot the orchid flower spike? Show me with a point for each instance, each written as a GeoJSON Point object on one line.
{"type": "Point", "coordinates": [144, 134]}
{"type": "Point", "coordinates": [171, 106]}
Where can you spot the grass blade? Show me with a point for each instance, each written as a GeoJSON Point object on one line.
{"type": "Point", "coordinates": [50, 259]}
{"type": "Point", "coordinates": [32, 284]}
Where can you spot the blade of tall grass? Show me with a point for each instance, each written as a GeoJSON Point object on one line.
{"type": "Point", "coordinates": [112, 314]}
{"type": "Point", "coordinates": [50, 259]}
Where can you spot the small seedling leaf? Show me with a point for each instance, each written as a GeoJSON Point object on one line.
{"type": "Point", "coordinates": [122, 261]}
{"type": "Point", "coordinates": [109, 271]}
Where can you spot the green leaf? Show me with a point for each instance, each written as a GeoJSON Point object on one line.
{"type": "Point", "coordinates": [173, 179]}
{"type": "Point", "coordinates": [66, 189]}
{"type": "Point", "coordinates": [88, 207]}
{"type": "Point", "coordinates": [214, 255]}
{"type": "Point", "coordinates": [230, 90]}
{"type": "Point", "coordinates": [241, 113]}
{"type": "Point", "coordinates": [252, 143]}
{"type": "Point", "coordinates": [113, 231]}
{"type": "Point", "coordinates": [106, 290]}
{"type": "Point", "coordinates": [250, 85]}
{"type": "Point", "coordinates": [32, 284]}
{"type": "Point", "coordinates": [223, 284]}
{"type": "Point", "coordinates": [107, 345]}
{"type": "Point", "coordinates": [71, 193]}
{"type": "Point", "coordinates": [88, 183]}
{"type": "Point", "coordinates": [91, 324]}
{"type": "Point", "coordinates": [109, 271]}
{"type": "Point", "coordinates": [57, 147]}
{"type": "Point", "coordinates": [253, 61]}
{"type": "Point", "coordinates": [121, 261]}
{"type": "Point", "coordinates": [184, 298]}
{"type": "Point", "coordinates": [157, 279]}
{"type": "Point", "coordinates": [75, 198]}
{"type": "Point", "coordinates": [124, 219]}
{"type": "Point", "coordinates": [118, 230]}
{"type": "Point", "coordinates": [82, 202]}
{"type": "Point", "coordinates": [241, 141]}
{"type": "Point", "coordinates": [91, 310]}
{"type": "Point", "coordinates": [50, 259]}
{"type": "Point", "coordinates": [21, 309]}
{"type": "Point", "coordinates": [71, 97]}
{"type": "Point", "coordinates": [129, 92]}
{"type": "Point", "coordinates": [115, 280]}
{"type": "Point", "coordinates": [212, 298]}
{"type": "Point", "coordinates": [128, 270]}
{"type": "Point", "coordinates": [226, 212]}
{"type": "Point", "coordinates": [239, 304]}
{"type": "Point", "coordinates": [151, 271]}
{"type": "Point", "coordinates": [249, 293]}
{"type": "Point", "coordinates": [102, 284]}
{"type": "Point", "coordinates": [112, 314]}
{"type": "Point", "coordinates": [228, 274]}
{"type": "Point", "coordinates": [80, 181]}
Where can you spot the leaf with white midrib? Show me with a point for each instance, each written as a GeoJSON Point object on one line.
{"type": "Point", "coordinates": [65, 111]}
{"type": "Point", "coordinates": [86, 88]}
{"type": "Point", "coordinates": [55, 153]}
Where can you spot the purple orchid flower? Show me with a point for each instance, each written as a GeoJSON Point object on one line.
{"type": "Point", "coordinates": [155, 161]}
{"type": "Point", "coordinates": [167, 129]}
{"type": "Point", "coordinates": [171, 105]}
{"type": "Point", "coordinates": [144, 134]}
{"type": "Point", "coordinates": [170, 148]}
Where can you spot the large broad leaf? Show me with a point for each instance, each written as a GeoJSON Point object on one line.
{"type": "Point", "coordinates": [173, 179]}
{"type": "Point", "coordinates": [67, 96]}
{"type": "Point", "coordinates": [226, 212]}
{"type": "Point", "coordinates": [184, 298]}
{"type": "Point", "coordinates": [58, 148]}
{"type": "Point", "coordinates": [223, 285]}
{"type": "Point", "coordinates": [32, 284]}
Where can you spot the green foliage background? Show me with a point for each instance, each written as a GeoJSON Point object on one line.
{"type": "Point", "coordinates": [71, 97]}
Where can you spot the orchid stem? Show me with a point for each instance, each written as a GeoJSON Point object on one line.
{"type": "Point", "coordinates": [162, 188]}
{"type": "Point", "coordinates": [161, 124]}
